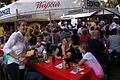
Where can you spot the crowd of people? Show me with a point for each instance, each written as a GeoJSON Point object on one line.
{"type": "Point", "coordinates": [93, 40]}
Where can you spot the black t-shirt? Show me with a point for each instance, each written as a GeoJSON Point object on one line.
{"type": "Point", "coordinates": [32, 40]}
{"type": "Point", "coordinates": [75, 53]}
{"type": "Point", "coordinates": [75, 39]}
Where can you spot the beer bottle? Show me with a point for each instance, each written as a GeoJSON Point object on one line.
{"type": "Point", "coordinates": [67, 64]}
{"type": "Point", "coordinates": [63, 63]}
{"type": "Point", "coordinates": [53, 58]}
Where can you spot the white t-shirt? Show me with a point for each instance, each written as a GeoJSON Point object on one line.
{"type": "Point", "coordinates": [15, 43]}
{"type": "Point", "coordinates": [113, 25]}
{"type": "Point", "coordinates": [40, 49]}
{"type": "Point", "coordinates": [93, 63]}
{"type": "Point", "coordinates": [79, 30]}
{"type": "Point", "coordinates": [114, 42]}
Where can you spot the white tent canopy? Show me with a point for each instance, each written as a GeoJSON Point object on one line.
{"type": "Point", "coordinates": [36, 9]}
{"type": "Point", "coordinates": [77, 15]}
{"type": "Point", "coordinates": [104, 12]}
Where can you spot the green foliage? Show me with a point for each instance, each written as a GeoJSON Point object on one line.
{"type": "Point", "coordinates": [5, 2]}
{"type": "Point", "coordinates": [111, 4]}
{"type": "Point", "coordinates": [118, 2]}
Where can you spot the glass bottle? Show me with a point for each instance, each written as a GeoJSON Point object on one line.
{"type": "Point", "coordinates": [63, 63]}
{"type": "Point", "coordinates": [67, 64]}
{"type": "Point", "coordinates": [53, 58]}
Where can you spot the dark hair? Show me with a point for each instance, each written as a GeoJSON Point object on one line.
{"type": "Point", "coordinates": [92, 28]}
{"type": "Point", "coordinates": [74, 31]}
{"type": "Point", "coordinates": [84, 31]}
{"type": "Point", "coordinates": [55, 31]}
{"type": "Point", "coordinates": [68, 38]}
{"type": "Point", "coordinates": [113, 31]}
{"type": "Point", "coordinates": [40, 35]}
{"type": "Point", "coordinates": [37, 27]}
{"type": "Point", "coordinates": [66, 30]}
{"type": "Point", "coordinates": [18, 23]}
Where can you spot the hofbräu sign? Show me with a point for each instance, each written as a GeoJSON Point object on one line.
{"type": "Point", "coordinates": [5, 12]}
{"type": "Point", "coordinates": [47, 4]}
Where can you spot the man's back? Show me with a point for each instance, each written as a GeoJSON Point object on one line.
{"type": "Point", "coordinates": [115, 42]}
{"type": "Point", "coordinates": [96, 48]}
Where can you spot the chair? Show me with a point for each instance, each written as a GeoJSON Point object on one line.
{"type": "Point", "coordinates": [114, 57]}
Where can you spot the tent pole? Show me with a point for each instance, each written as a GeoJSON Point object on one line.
{"type": "Point", "coordinates": [17, 14]}
{"type": "Point", "coordinates": [50, 16]}
{"type": "Point", "coordinates": [103, 14]}
{"type": "Point", "coordinates": [16, 19]}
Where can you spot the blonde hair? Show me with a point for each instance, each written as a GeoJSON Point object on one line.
{"type": "Point", "coordinates": [84, 46]}
{"type": "Point", "coordinates": [68, 39]}
{"type": "Point", "coordinates": [85, 31]}
{"type": "Point", "coordinates": [95, 34]}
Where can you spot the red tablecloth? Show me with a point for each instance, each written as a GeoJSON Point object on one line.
{"type": "Point", "coordinates": [54, 73]}
{"type": "Point", "coordinates": [1, 51]}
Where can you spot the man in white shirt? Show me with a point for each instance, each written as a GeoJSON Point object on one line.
{"type": "Point", "coordinates": [114, 40]}
{"type": "Point", "coordinates": [15, 50]}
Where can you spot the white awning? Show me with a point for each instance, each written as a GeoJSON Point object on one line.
{"type": "Point", "coordinates": [103, 12]}
{"type": "Point", "coordinates": [77, 15]}
{"type": "Point", "coordinates": [38, 9]}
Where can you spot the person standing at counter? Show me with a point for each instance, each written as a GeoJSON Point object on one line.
{"type": "Point", "coordinates": [15, 51]}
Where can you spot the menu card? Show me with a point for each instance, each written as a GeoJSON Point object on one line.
{"type": "Point", "coordinates": [59, 66]}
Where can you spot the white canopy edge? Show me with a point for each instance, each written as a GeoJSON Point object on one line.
{"type": "Point", "coordinates": [77, 15]}
{"type": "Point", "coordinates": [39, 9]}
{"type": "Point", "coordinates": [103, 12]}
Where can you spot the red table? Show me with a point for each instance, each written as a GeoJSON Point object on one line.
{"type": "Point", "coordinates": [1, 51]}
{"type": "Point", "coordinates": [54, 73]}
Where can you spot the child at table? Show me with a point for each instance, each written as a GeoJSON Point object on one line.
{"type": "Point", "coordinates": [40, 47]}
{"type": "Point", "coordinates": [40, 50]}
{"type": "Point", "coordinates": [90, 61]}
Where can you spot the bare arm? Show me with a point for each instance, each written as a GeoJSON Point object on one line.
{"type": "Point", "coordinates": [69, 55]}
{"type": "Point", "coordinates": [19, 58]}
{"type": "Point", "coordinates": [81, 62]}
{"type": "Point", "coordinates": [63, 50]}
{"type": "Point", "coordinates": [55, 53]}
{"type": "Point", "coordinates": [12, 54]}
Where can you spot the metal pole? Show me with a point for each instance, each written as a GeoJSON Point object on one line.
{"type": "Point", "coordinates": [17, 14]}
{"type": "Point", "coordinates": [103, 13]}
{"type": "Point", "coordinates": [0, 4]}
{"type": "Point", "coordinates": [50, 17]}
{"type": "Point", "coordinates": [16, 19]}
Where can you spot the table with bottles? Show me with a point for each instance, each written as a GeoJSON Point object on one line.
{"type": "Point", "coordinates": [56, 71]}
